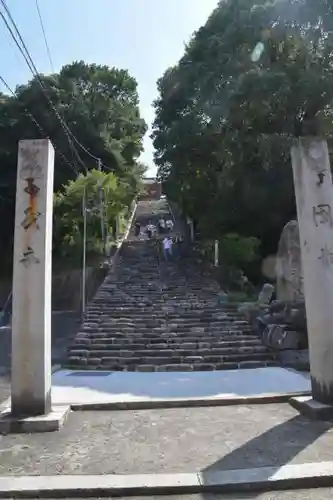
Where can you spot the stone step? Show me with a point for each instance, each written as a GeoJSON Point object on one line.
{"type": "Point", "coordinates": [152, 344]}
{"type": "Point", "coordinates": [141, 349]}
{"type": "Point", "coordinates": [156, 351]}
{"type": "Point", "coordinates": [218, 341]}
{"type": "Point", "coordinates": [97, 364]}
{"type": "Point", "coordinates": [156, 320]}
{"type": "Point", "coordinates": [114, 363]}
{"type": "Point", "coordinates": [162, 305]}
{"type": "Point", "coordinates": [150, 320]}
{"type": "Point", "coordinates": [183, 317]}
{"type": "Point", "coordinates": [151, 315]}
{"type": "Point", "coordinates": [163, 333]}
{"type": "Point", "coordinates": [199, 308]}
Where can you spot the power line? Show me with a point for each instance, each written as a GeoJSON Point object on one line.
{"type": "Point", "coordinates": [67, 130]}
{"type": "Point", "coordinates": [14, 38]}
{"type": "Point", "coordinates": [84, 200]}
{"type": "Point", "coordinates": [40, 128]}
{"type": "Point", "coordinates": [28, 59]}
{"type": "Point", "coordinates": [35, 72]}
{"type": "Point", "coordinates": [44, 35]}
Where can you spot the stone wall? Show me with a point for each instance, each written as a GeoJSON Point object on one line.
{"type": "Point", "coordinates": [5, 289]}
{"type": "Point", "coordinates": [66, 287]}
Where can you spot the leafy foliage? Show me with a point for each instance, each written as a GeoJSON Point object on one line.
{"type": "Point", "coordinates": [100, 106]}
{"type": "Point", "coordinates": [237, 250]}
{"type": "Point", "coordinates": [258, 74]}
{"type": "Point", "coordinates": [68, 212]}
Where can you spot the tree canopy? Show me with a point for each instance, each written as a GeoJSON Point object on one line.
{"type": "Point", "coordinates": [68, 214]}
{"type": "Point", "coordinates": [258, 74]}
{"type": "Point", "coordinates": [99, 104]}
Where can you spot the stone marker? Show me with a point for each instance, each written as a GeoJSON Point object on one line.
{"type": "Point", "coordinates": [32, 275]}
{"type": "Point", "coordinates": [31, 330]}
{"type": "Point", "coordinates": [314, 198]}
{"type": "Point", "coordinates": [289, 272]}
{"type": "Point", "coordinates": [266, 294]}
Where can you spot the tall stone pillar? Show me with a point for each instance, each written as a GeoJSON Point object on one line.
{"type": "Point", "coordinates": [314, 198]}
{"type": "Point", "coordinates": [31, 322]}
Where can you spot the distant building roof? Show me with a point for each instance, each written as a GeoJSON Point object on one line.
{"type": "Point", "coordinates": [149, 180]}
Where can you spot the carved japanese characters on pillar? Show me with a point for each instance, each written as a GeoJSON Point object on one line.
{"type": "Point", "coordinates": [322, 213]}
{"type": "Point", "coordinates": [32, 276]}
{"type": "Point", "coordinates": [289, 270]}
{"type": "Point", "coordinates": [30, 171]}
{"type": "Point", "coordinates": [314, 199]}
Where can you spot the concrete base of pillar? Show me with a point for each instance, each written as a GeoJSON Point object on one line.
{"type": "Point", "coordinates": [311, 408]}
{"type": "Point", "coordinates": [53, 421]}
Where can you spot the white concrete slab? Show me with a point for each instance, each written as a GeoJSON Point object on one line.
{"type": "Point", "coordinates": [75, 387]}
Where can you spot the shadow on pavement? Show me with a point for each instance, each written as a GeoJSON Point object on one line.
{"type": "Point", "coordinates": [274, 448]}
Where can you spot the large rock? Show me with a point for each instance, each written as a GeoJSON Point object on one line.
{"type": "Point", "coordinates": [278, 337]}
{"type": "Point", "coordinates": [265, 296]}
{"type": "Point", "coordinates": [288, 265]}
{"type": "Point", "coordinates": [254, 311]}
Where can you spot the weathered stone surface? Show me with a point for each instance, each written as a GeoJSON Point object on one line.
{"type": "Point", "coordinates": [176, 368]}
{"type": "Point", "coordinates": [198, 330]}
{"type": "Point", "coordinates": [266, 294]}
{"type": "Point", "coordinates": [295, 359]}
{"type": "Point", "coordinates": [251, 364]}
{"type": "Point", "coordinates": [149, 315]}
{"type": "Point", "coordinates": [94, 361]}
{"type": "Point", "coordinates": [193, 359]}
{"type": "Point", "coordinates": [288, 264]}
{"type": "Point", "coordinates": [146, 368]}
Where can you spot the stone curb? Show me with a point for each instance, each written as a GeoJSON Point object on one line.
{"type": "Point", "coordinates": [124, 237]}
{"type": "Point", "coordinates": [310, 475]}
{"type": "Point", "coordinates": [156, 404]}
{"type": "Point", "coordinates": [171, 212]}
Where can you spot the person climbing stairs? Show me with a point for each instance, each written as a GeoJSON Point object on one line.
{"type": "Point", "coordinates": [152, 314]}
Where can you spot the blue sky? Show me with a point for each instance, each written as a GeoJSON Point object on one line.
{"type": "Point", "coordinates": [143, 36]}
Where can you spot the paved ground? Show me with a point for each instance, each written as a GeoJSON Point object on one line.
{"type": "Point", "coordinates": [313, 494]}
{"type": "Point", "coordinates": [79, 387]}
{"type": "Point", "coordinates": [166, 441]}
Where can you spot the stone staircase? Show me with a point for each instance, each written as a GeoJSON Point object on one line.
{"type": "Point", "coordinates": [152, 315]}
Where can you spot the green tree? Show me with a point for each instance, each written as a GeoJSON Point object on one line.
{"type": "Point", "coordinates": [68, 213]}
{"type": "Point", "coordinates": [101, 107]}
{"type": "Point", "coordinates": [258, 74]}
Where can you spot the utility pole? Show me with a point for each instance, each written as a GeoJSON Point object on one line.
{"type": "Point", "coordinates": [216, 253]}
{"type": "Point", "coordinates": [101, 207]}
{"type": "Point", "coordinates": [84, 250]}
